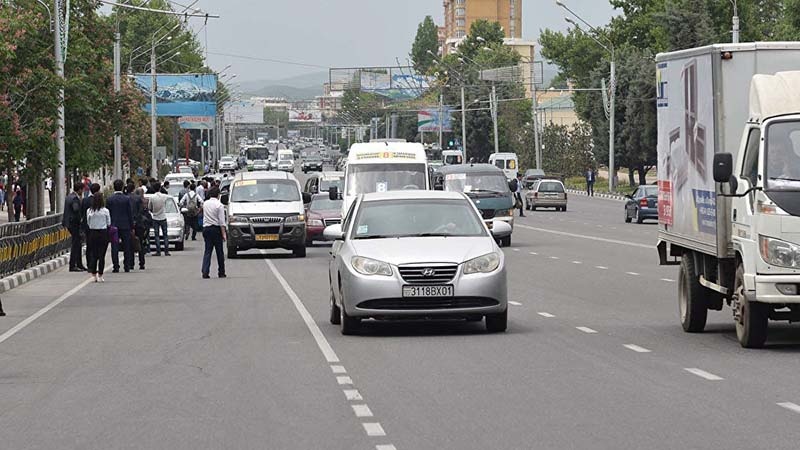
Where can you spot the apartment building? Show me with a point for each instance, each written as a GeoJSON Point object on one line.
{"type": "Point", "coordinates": [460, 14]}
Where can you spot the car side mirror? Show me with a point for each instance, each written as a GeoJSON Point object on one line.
{"type": "Point", "coordinates": [224, 198]}
{"type": "Point", "coordinates": [306, 198]}
{"type": "Point", "coordinates": [723, 167]}
{"type": "Point", "coordinates": [184, 210]}
{"type": "Point", "coordinates": [333, 193]}
{"type": "Point", "coordinates": [333, 233]}
{"type": "Point", "coordinates": [501, 229]}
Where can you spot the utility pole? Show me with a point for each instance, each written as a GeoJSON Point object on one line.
{"type": "Point", "coordinates": [463, 126]}
{"type": "Point", "coordinates": [493, 101]}
{"type": "Point", "coordinates": [735, 30]}
{"type": "Point", "coordinates": [153, 130]}
{"type": "Point", "coordinates": [117, 88]}
{"type": "Point", "coordinates": [394, 125]}
{"type": "Point", "coordinates": [60, 183]}
{"type": "Point", "coordinates": [612, 179]}
{"type": "Point", "coordinates": [441, 120]}
{"type": "Point", "coordinates": [534, 106]}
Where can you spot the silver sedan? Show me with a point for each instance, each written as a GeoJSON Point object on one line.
{"type": "Point", "coordinates": [416, 255]}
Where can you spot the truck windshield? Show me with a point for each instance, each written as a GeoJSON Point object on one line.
{"type": "Point", "coordinates": [366, 178]}
{"type": "Point", "coordinates": [783, 156]}
{"type": "Point", "coordinates": [476, 182]}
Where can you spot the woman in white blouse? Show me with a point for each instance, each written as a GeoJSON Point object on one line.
{"type": "Point", "coordinates": [99, 220]}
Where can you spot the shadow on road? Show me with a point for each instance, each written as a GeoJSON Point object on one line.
{"type": "Point", "coordinates": [423, 328]}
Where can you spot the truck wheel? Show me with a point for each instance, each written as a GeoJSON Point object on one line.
{"type": "Point", "coordinates": [691, 304]}
{"type": "Point", "coordinates": [752, 318]}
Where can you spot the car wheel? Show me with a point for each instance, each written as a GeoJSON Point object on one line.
{"type": "Point", "coordinates": [752, 318]}
{"type": "Point", "coordinates": [564, 208]}
{"type": "Point", "coordinates": [299, 252]}
{"type": "Point", "coordinates": [497, 323]}
{"type": "Point", "coordinates": [636, 217]}
{"type": "Point", "coordinates": [691, 304]}
{"type": "Point", "coordinates": [336, 314]}
{"type": "Point", "coordinates": [350, 325]}
{"type": "Point", "coordinates": [232, 252]}
{"type": "Point", "coordinates": [533, 208]}
{"type": "Point", "coordinates": [505, 242]}
{"type": "Point", "coordinates": [627, 216]}
{"type": "Point", "coordinates": [179, 246]}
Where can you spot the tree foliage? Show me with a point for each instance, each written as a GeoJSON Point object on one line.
{"type": "Point", "coordinates": [425, 43]}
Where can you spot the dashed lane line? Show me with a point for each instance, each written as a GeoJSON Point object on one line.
{"type": "Point", "coordinates": [361, 410]}
{"type": "Point", "coordinates": [554, 257]}
{"type": "Point", "coordinates": [582, 236]}
{"type": "Point", "coordinates": [790, 406]}
{"type": "Point", "coordinates": [577, 262]}
{"type": "Point", "coordinates": [373, 429]}
{"type": "Point", "coordinates": [352, 394]}
{"type": "Point", "coordinates": [601, 267]}
{"type": "Point", "coordinates": [587, 330]}
{"type": "Point", "coordinates": [636, 348]}
{"type": "Point", "coordinates": [703, 374]}
{"type": "Point", "coordinates": [634, 274]}
{"type": "Point", "coordinates": [533, 253]}
{"type": "Point", "coordinates": [545, 314]}
{"type": "Point", "coordinates": [344, 380]}
{"type": "Point", "coordinates": [668, 280]}
{"type": "Point", "coordinates": [338, 369]}
{"type": "Point", "coordinates": [385, 447]}
{"type": "Point", "coordinates": [515, 249]}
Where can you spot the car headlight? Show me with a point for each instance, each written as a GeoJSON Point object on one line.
{"type": "Point", "coordinates": [297, 218]}
{"type": "Point", "coordinates": [238, 220]}
{"type": "Point", "coordinates": [482, 264]}
{"type": "Point", "coordinates": [779, 253]}
{"type": "Point", "coordinates": [174, 223]}
{"type": "Point", "coordinates": [367, 266]}
{"type": "Point", "coordinates": [315, 223]}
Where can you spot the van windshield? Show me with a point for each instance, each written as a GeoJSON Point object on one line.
{"type": "Point", "coordinates": [285, 157]}
{"type": "Point", "coordinates": [253, 191]}
{"type": "Point", "coordinates": [367, 178]}
{"type": "Point", "coordinates": [452, 159]}
{"type": "Point", "coordinates": [783, 156]}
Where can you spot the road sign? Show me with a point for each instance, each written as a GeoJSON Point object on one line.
{"type": "Point", "coordinates": [161, 152]}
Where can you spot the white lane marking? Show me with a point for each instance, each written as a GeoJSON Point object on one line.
{"type": "Point", "coordinates": [790, 406]}
{"type": "Point", "coordinates": [592, 238]}
{"type": "Point", "coordinates": [16, 329]}
{"type": "Point", "coordinates": [577, 262]}
{"type": "Point", "coordinates": [352, 394]}
{"type": "Point", "coordinates": [636, 348]}
{"type": "Point", "coordinates": [373, 429]}
{"type": "Point", "coordinates": [338, 369]}
{"type": "Point", "coordinates": [533, 253]}
{"type": "Point", "coordinates": [601, 267]}
{"type": "Point", "coordinates": [515, 249]}
{"type": "Point", "coordinates": [545, 314]}
{"type": "Point", "coordinates": [322, 342]}
{"type": "Point", "coordinates": [362, 410]}
{"type": "Point", "coordinates": [668, 280]}
{"type": "Point", "coordinates": [554, 257]}
{"type": "Point", "coordinates": [632, 274]}
{"type": "Point", "coordinates": [587, 330]}
{"type": "Point", "coordinates": [703, 374]}
{"type": "Point", "coordinates": [385, 447]}
{"type": "Point", "coordinates": [343, 380]}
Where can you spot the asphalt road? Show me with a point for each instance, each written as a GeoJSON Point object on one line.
{"type": "Point", "coordinates": [594, 358]}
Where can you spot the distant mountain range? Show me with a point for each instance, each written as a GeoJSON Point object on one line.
{"type": "Point", "coordinates": [295, 88]}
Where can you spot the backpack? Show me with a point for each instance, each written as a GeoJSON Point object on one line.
{"type": "Point", "coordinates": [191, 204]}
{"type": "Point", "coordinates": [513, 185]}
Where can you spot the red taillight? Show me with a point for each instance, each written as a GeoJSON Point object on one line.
{"type": "Point", "coordinates": [643, 203]}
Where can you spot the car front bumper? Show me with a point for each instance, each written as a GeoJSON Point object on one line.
{"type": "Point", "coordinates": [382, 296]}
{"type": "Point", "coordinates": [243, 236]}
{"type": "Point", "coordinates": [767, 291]}
{"type": "Point", "coordinates": [174, 236]}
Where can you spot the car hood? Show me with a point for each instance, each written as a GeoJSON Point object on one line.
{"type": "Point", "coordinates": [265, 208]}
{"type": "Point", "coordinates": [399, 251]}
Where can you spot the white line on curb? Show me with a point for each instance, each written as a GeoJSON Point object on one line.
{"type": "Point", "coordinates": [703, 374]}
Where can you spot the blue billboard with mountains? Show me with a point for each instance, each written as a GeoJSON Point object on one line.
{"type": "Point", "coordinates": [181, 94]}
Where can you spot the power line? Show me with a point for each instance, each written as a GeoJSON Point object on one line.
{"type": "Point", "coordinates": [278, 61]}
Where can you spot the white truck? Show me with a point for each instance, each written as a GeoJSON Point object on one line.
{"type": "Point", "coordinates": [729, 182]}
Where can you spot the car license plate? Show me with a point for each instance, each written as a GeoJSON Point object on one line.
{"type": "Point", "coordinates": [428, 291]}
{"type": "Point", "coordinates": [266, 237]}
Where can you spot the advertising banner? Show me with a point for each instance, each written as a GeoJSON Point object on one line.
{"type": "Point", "coordinates": [305, 116]}
{"type": "Point", "coordinates": [244, 112]}
{"type": "Point", "coordinates": [428, 120]}
{"type": "Point", "coordinates": [196, 122]}
{"type": "Point", "coordinates": [181, 94]}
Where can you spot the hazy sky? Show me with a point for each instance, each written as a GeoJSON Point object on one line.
{"type": "Point", "coordinates": [340, 33]}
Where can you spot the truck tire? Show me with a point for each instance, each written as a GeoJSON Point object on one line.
{"type": "Point", "coordinates": [691, 303]}
{"type": "Point", "coordinates": [752, 318]}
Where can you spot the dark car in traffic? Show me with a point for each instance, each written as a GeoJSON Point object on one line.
{"type": "Point", "coordinates": [312, 163]}
{"type": "Point", "coordinates": [320, 213]}
{"type": "Point", "coordinates": [642, 204]}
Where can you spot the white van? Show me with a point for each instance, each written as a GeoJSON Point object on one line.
{"type": "Point", "coordinates": [286, 160]}
{"type": "Point", "coordinates": [508, 162]}
{"type": "Point", "coordinates": [382, 167]}
{"type": "Point", "coordinates": [450, 157]}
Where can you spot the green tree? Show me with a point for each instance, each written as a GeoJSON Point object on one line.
{"type": "Point", "coordinates": [427, 40]}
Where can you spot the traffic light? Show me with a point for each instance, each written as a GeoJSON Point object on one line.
{"type": "Point", "coordinates": [205, 142]}
{"type": "Point", "coordinates": [450, 144]}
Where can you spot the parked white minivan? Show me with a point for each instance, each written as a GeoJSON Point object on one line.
{"type": "Point", "coordinates": [266, 211]}
{"type": "Point", "coordinates": [508, 162]}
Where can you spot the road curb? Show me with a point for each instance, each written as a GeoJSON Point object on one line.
{"type": "Point", "coordinates": [18, 279]}
{"type": "Point", "coordinates": [597, 195]}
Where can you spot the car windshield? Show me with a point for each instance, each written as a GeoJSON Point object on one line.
{"type": "Point", "coordinates": [324, 203]}
{"type": "Point", "coordinates": [174, 190]}
{"type": "Point", "coordinates": [366, 178]}
{"type": "Point", "coordinates": [416, 218]}
{"type": "Point", "coordinates": [783, 156]}
{"type": "Point", "coordinates": [260, 162]}
{"type": "Point", "coordinates": [550, 186]}
{"type": "Point", "coordinates": [170, 207]}
{"type": "Point", "coordinates": [251, 191]}
{"type": "Point", "coordinates": [325, 185]}
{"type": "Point", "coordinates": [476, 182]}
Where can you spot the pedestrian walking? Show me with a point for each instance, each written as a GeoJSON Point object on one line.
{"type": "Point", "coordinates": [201, 190]}
{"type": "Point", "coordinates": [71, 220]}
{"type": "Point", "coordinates": [516, 187]}
{"type": "Point", "coordinates": [141, 223]}
{"type": "Point", "coordinates": [98, 220]}
{"type": "Point", "coordinates": [2, 195]}
{"type": "Point", "coordinates": [591, 177]}
{"type": "Point", "coordinates": [158, 207]}
{"type": "Point", "coordinates": [18, 201]}
{"type": "Point", "coordinates": [214, 233]}
{"type": "Point", "coordinates": [192, 203]}
{"type": "Point", "coordinates": [86, 203]}
{"type": "Point", "coordinates": [184, 190]}
{"type": "Point", "coordinates": [121, 210]}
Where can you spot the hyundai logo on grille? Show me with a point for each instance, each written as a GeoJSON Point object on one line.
{"type": "Point", "coordinates": [428, 272]}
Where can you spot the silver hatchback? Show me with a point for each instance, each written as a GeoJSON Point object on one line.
{"type": "Point", "coordinates": [416, 255]}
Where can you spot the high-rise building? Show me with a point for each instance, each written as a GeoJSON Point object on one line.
{"type": "Point", "coordinates": [460, 14]}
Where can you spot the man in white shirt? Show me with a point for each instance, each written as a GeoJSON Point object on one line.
{"type": "Point", "coordinates": [215, 232]}
{"type": "Point", "coordinates": [201, 190]}
{"type": "Point", "coordinates": [158, 208]}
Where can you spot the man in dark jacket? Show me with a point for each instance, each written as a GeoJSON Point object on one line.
{"type": "Point", "coordinates": [140, 225]}
{"type": "Point", "coordinates": [72, 222]}
{"type": "Point", "coordinates": [121, 209]}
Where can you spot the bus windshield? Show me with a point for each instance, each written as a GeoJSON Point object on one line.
{"type": "Point", "coordinates": [367, 178]}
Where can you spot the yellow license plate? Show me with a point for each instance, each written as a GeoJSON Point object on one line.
{"type": "Point", "coordinates": [267, 237]}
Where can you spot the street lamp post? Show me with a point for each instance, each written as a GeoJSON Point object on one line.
{"type": "Point", "coordinates": [735, 30]}
{"type": "Point", "coordinates": [61, 176]}
{"type": "Point", "coordinates": [612, 92]}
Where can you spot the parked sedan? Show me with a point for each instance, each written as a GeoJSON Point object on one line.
{"type": "Point", "coordinates": [320, 213]}
{"type": "Point", "coordinates": [642, 204]}
{"type": "Point", "coordinates": [175, 224]}
{"type": "Point", "coordinates": [416, 255]}
{"type": "Point", "coordinates": [546, 194]}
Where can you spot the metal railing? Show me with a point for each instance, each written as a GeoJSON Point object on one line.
{"type": "Point", "coordinates": [25, 244]}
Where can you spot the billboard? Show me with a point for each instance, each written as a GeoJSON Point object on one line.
{"type": "Point", "coordinates": [428, 120]}
{"type": "Point", "coordinates": [305, 115]}
{"type": "Point", "coordinates": [181, 94]}
{"type": "Point", "coordinates": [195, 122]}
{"type": "Point", "coordinates": [395, 83]}
{"type": "Point", "coordinates": [244, 112]}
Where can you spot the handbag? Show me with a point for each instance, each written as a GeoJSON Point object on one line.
{"type": "Point", "coordinates": [113, 235]}
{"type": "Point", "coordinates": [136, 244]}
